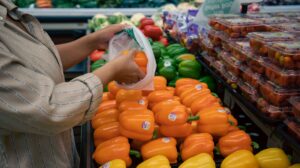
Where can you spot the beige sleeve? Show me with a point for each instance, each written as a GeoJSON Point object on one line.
{"type": "Point", "coordinates": [31, 102]}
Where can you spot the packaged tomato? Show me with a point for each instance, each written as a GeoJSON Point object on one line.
{"type": "Point", "coordinates": [207, 47]}
{"type": "Point", "coordinates": [274, 20]}
{"type": "Point", "coordinates": [271, 111]}
{"type": "Point", "coordinates": [275, 94]}
{"type": "Point", "coordinates": [240, 27]}
{"type": "Point", "coordinates": [208, 59]}
{"type": "Point", "coordinates": [295, 102]}
{"type": "Point", "coordinates": [219, 67]}
{"type": "Point", "coordinates": [251, 77]}
{"type": "Point", "coordinates": [231, 79]}
{"type": "Point", "coordinates": [258, 15]}
{"type": "Point", "coordinates": [293, 128]}
{"type": "Point", "coordinates": [293, 28]}
{"type": "Point", "coordinates": [288, 14]}
{"type": "Point", "coordinates": [259, 40]}
{"type": "Point", "coordinates": [285, 54]}
{"type": "Point", "coordinates": [256, 63]}
{"type": "Point", "coordinates": [248, 91]}
{"type": "Point", "coordinates": [231, 63]}
{"type": "Point", "coordinates": [214, 20]}
{"type": "Point", "coordinates": [215, 38]}
{"type": "Point", "coordinates": [240, 50]}
{"type": "Point", "coordinates": [282, 77]}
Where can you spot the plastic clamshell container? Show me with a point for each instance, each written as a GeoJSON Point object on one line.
{"type": "Point", "coordinates": [287, 27]}
{"type": "Point", "coordinates": [258, 15]}
{"type": "Point", "coordinates": [215, 38]}
{"type": "Point", "coordinates": [231, 63]}
{"type": "Point", "coordinates": [251, 77]}
{"type": "Point", "coordinates": [207, 47]}
{"type": "Point", "coordinates": [208, 59]}
{"type": "Point", "coordinates": [240, 27]}
{"type": "Point", "coordinates": [282, 77]}
{"type": "Point", "coordinates": [219, 67]}
{"type": "Point", "coordinates": [293, 128]}
{"type": "Point", "coordinates": [214, 20]}
{"type": "Point", "coordinates": [271, 111]}
{"type": "Point", "coordinates": [259, 40]}
{"type": "Point", "coordinates": [288, 14]}
{"type": "Point", "coordinates": [240, 50]}
{"type": "Point", "coordinates": [249, 92]}
{"type": "Point", "coordinates": [295, 102]}
{"type": "Point", "coordinates": [285, 54]}
{"type": "Point", "coordinates": [275, 94]}
{"type": "Point", "coordinates": [256, 63]}
{"type": "Point", "coordinates": [275, 20]}
{"type": "Point", "coordinates": [231, 79]}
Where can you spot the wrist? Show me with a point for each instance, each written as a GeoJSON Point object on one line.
{"type": "Point", "coordinates": [93, 41]}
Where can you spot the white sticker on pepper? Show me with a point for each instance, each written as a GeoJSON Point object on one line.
{"type": "Point", "coordinates": [166, 140]}
{"type": "Point", "coordinates": [141, 102]}
{"type": "Point", "coordinates": [172, 116]}
{"type": "Point", "coordinates": [198, 87]}
{"type": "Point", "coordinates": [146, 125]}
{"type": "Point", "coordinates": [106, 165]}
{"type": "Point", "coordinates": [167, 64]}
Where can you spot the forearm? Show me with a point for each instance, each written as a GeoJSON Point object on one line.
{"type": "Point", "coordinates": [76, 51]}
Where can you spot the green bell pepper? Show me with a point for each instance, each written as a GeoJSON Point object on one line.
{"type": "Point", "coordinates": [169, 72]}
{"type": "Point", "coordinates": [165, 62]}
{"type": "Point", "coordinates": [190, 69]}
{"type": "Point", "coordinates": [209, 81]}
{"type": "Point", "coordinates": [173, 82]}
{"type": "Point", "coordinates": [98, 64]}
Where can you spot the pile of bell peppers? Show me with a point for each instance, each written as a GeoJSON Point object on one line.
{"type": "Point", "coordinates": [158, 122]}
{"type": "Point", "coordinates": [149, 29]}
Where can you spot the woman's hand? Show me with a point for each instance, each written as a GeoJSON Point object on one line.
{"type": "Point", "coordinates": [102, 37]}
{"type": "Point", "coordinates": [123, 69]}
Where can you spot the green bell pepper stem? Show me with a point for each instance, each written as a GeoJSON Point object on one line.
{"type": "Point", "coordinates": [135, 153]}
{"type": "Point", "coordinates": [255, 145]}
{"type": "Point", "coordinates": [155, 134]}
{"type": "Point", "coordinates": [193, 118]}
{"type": "Point", "coordinates": [231, 122]}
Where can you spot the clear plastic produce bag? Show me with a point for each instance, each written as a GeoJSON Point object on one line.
{"type": "Point", "coordinates": [133, 39]}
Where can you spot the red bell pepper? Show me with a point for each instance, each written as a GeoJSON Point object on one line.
{"type": "Point", "coordinates": [96, 55]}
{"type": "Point", "coordinates": [153, 32]}
{"type": "Point", "coordinates": [164, 41]}
{"type": "Point", "coordinates": [146, 22]}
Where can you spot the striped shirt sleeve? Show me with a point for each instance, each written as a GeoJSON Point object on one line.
{"type": "Point", "coordinates": [31, 102]}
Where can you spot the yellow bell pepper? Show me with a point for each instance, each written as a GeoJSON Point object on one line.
{"type": "Point", "coordinates": [202, 160]}
{"type": "Point", "coordinates": [156, 161]}
{"type": "Point", "coordinates": [240, 159]}
{"type": "Point", "coordinates": [117, 163]}
{"type": "Point", "coordinates": [272, 158]}
{"type": "Point", "coordinates": [295, 166]}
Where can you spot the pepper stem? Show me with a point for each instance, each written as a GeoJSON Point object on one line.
{"type": "Point", "coordinates": [193, 118]}
{"type": "Point", "coordinates": [231, 122]}
{"type": "Point", "coordinates": [255, 145]}
{"type": "Point", "coordinates": [135, 153]}
{"type": "Point", "coordinates": [155, 134]}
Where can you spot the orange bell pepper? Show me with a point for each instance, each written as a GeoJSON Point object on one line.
{"type": "Point", "coordinates": [235, 141]}
{"type": "Point", "coordinates": [158, 96]}
{"type": "Point", "coordinates": [129, 95]}
{"type": "Point", "coordinates": [106, 131]}
{"type": "Point", "coordinates": [234, 123]}
{"type": "Point", "coordinates": [141, 104]}
{"type": "Point", "coordinates": [204, 101]}
{"type": "Point", "coordinates": [180, 89]}
{"type": "Point", "coordinates": [104, 117]}
{"type": "Point", "coordinates": [186, 81]}
{"type": "Point", "coordinates": [113, 88]}
{"type": "Point", "coordinates": [107, 105]}
{"type": "Point", "coordinates": [141, 60]}
{"type": "Point", "coordinates": [105, 97]}
{"type": "Point", "coordinates": [214, 122]}
{"type": "Point", "coordinates": [116, 148]}
{"type": "Point", "coordinates": [164, 105]}
{"type": "Point", "coordinates": [177, 131]}
{"type": "Point", "coordinates": [137, 124]}
{"type": "Point", "coordinates": [160, 83]}
{"type": "Point", "coordinates": [195, 88]}
{"type": "Point", "coordinates": [196, 144]}
{"type": "Point", "coordinates": [171, 90]}
{"type": "Point", "coordinates": [173, 121]}
{"type": "Point", "coordinates": [189, 99]}
{"type": "Point", "coordinates": [161, 146]}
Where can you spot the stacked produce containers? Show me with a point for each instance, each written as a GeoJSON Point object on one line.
{"type": "Point", "coordinates": [259, 54]}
